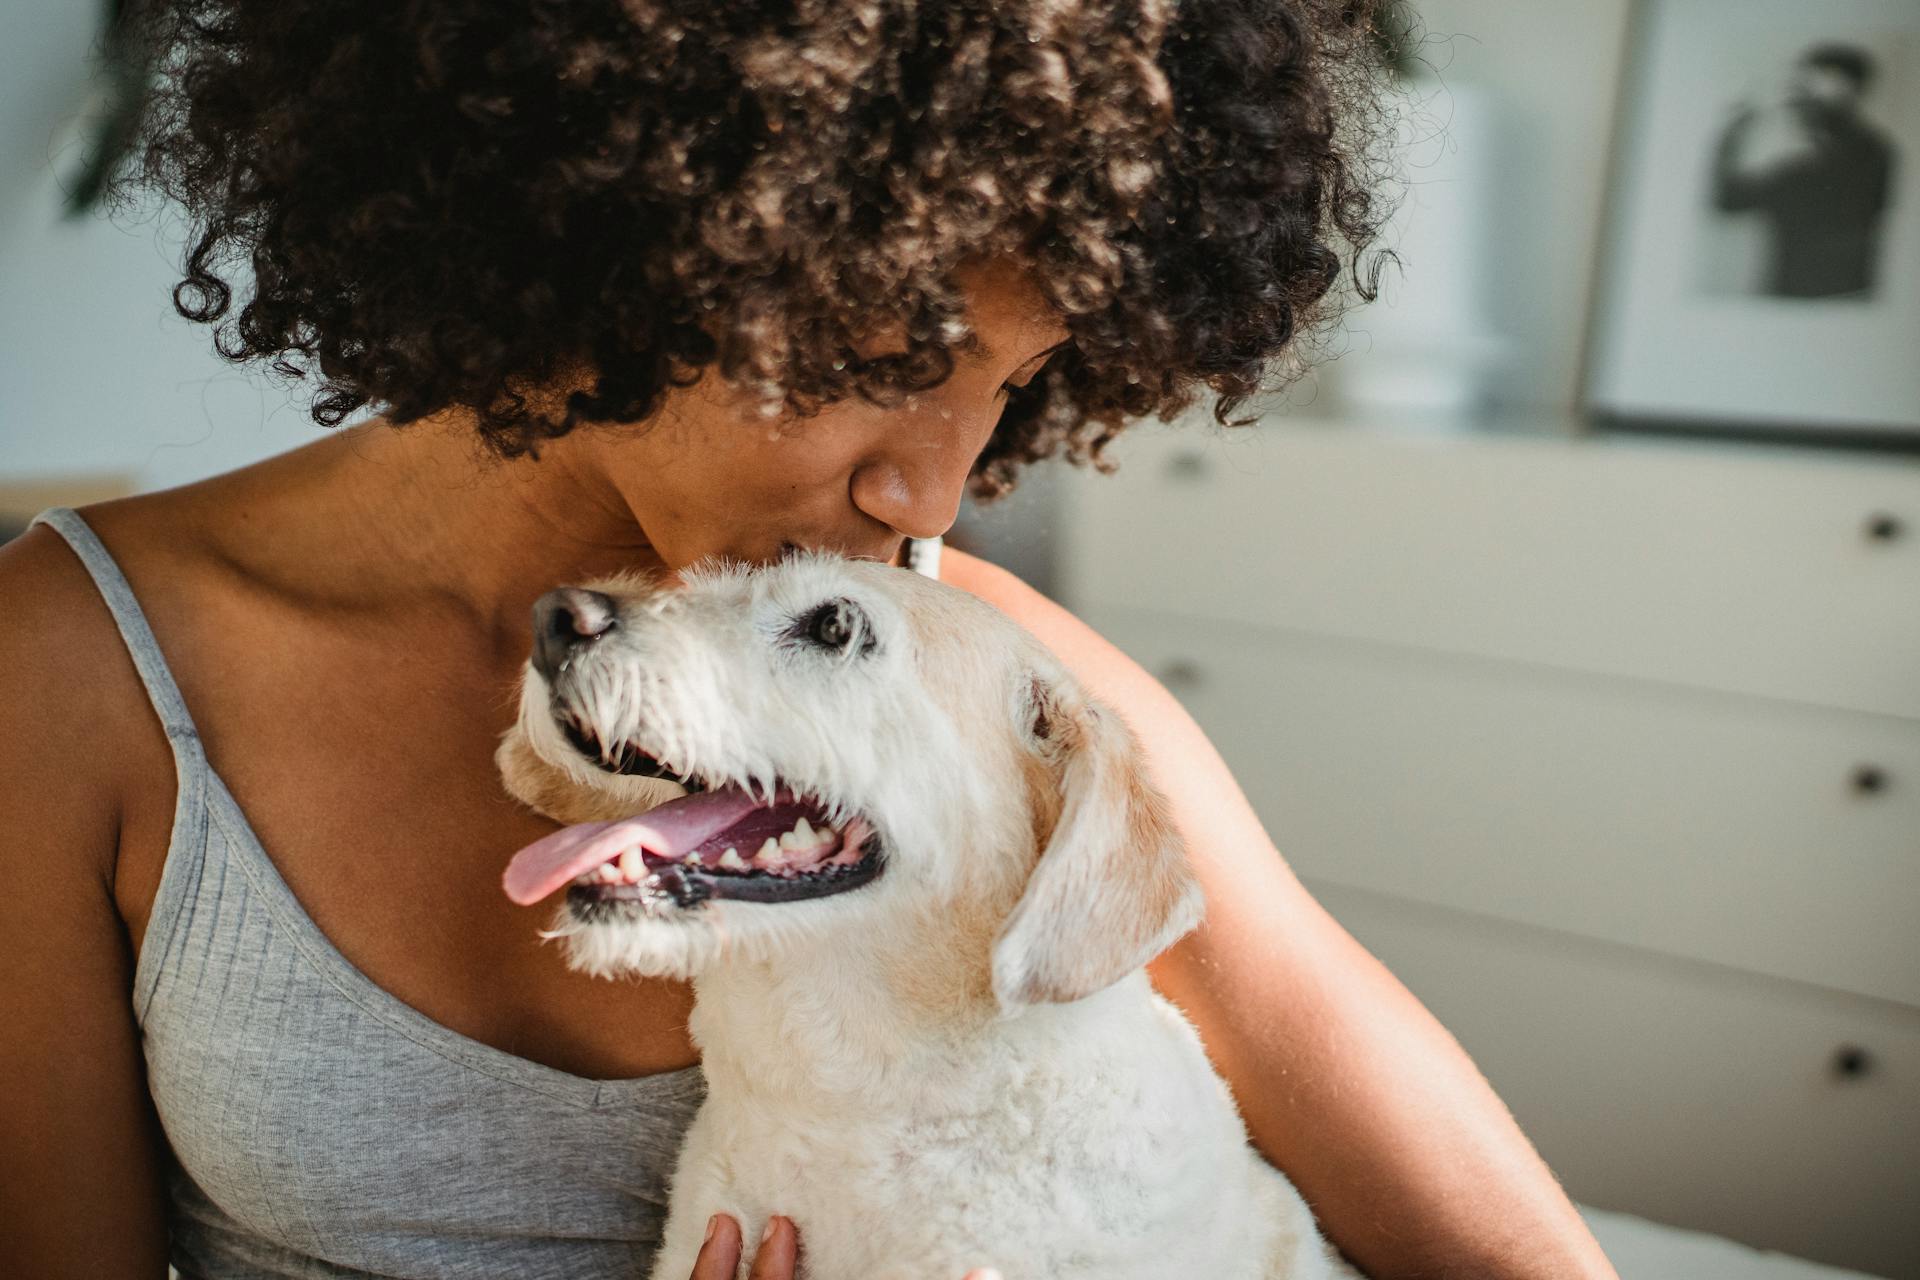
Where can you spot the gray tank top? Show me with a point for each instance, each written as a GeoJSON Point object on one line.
{"type": "Point", "coordinates": [320, 1126]}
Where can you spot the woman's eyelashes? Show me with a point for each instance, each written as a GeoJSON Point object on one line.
{"type": "Point", "coordinates": [1038, 363]}
{"type": "Point", "coordinates": [1022, 384]}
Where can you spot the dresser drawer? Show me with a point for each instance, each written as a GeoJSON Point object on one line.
{"type": "Point", "coordinates": [1781, 572]}
{"type": "Point", "coordinates": [1767, 836]}
{"type": "Point", "coordinates": [1684, 1093]}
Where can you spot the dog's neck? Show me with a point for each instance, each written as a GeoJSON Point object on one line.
{"type": "Point", "coordinates": [862, 1019]}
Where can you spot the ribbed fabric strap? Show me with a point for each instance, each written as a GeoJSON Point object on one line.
{"type": "Point", "coordinates": [127, 615]}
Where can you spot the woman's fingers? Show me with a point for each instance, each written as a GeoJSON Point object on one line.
{"type": "Point", "coordinates": [720, 1256]}
{"type": "Point", "coordinates": [776, 1257]}
{"type": "Point", "coordinates": [778, 1253]}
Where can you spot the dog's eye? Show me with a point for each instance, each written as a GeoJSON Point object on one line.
{"type": "Point", "coordinates": [838, 625]}
{"type": "Point", "coordinates": [831, 627]}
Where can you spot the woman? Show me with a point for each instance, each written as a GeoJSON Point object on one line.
{"type": "Point", "coordinates": [268, 1011]}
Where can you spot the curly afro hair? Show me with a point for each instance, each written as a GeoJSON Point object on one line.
{"type": "Point", "coordinates": [459, 202]}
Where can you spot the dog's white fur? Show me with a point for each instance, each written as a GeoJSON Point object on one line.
{"type": "Point", "coordinates": [961, 1063]}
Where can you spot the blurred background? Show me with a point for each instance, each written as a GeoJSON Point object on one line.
{"type": "Point", "coordinates": [1563, 626]}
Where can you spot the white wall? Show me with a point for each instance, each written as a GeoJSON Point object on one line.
{"type": "Point", "coordinates": [97, 373]}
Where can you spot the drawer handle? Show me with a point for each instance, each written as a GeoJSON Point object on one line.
{"type": "Point", "coordinates": [1187, 465]}
{"type": "Point", "coordinates": [1180, 676]}
{"type": "Point", "coordinates": [1884, 526]}
{"type": "Point", "coordinates": [1851, 1062]}
{"type": "Point", "coordinates": [1869, 780]}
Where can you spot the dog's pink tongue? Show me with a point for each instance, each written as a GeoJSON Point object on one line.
{"type": "Point", "coordinates": [667, 830]}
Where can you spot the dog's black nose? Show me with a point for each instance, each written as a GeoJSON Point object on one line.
{"type": "Point", "coordinates": [565, 619]}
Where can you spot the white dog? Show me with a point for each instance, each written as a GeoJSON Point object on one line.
{"type": "Point", "coordinates": [914, 874]}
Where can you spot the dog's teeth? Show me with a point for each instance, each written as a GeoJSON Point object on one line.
{"type": "Point", "coordinates": [803, 838]}
{"type": "Point", "coordinates": [609, 873]}
{"type": "Point", "coordinates": [769, 852]}
{"type": "Point", "coordinates": [691, 860]}
{"type": "Point", "coordinates": [632, 865]}
{"type": "Point", "coordinates": [732, 861]}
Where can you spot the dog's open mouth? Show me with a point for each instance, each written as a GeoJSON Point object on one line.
{"type": "Point", "coordinates": [719, 843]}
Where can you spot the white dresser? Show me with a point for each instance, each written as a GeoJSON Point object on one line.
{"type": "Point", "coordinates": [1608, 746]}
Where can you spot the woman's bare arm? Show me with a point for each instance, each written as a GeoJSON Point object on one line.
{"type": "Point", "coordinates": [1411, 1163]}
{"type": "Point", "coordinates": [80, 1169]}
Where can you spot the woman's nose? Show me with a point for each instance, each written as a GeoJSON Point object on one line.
{"type": "Point", "coordinates": [564, 620]}
{"type": "Point", "coordinates": [916, 489]}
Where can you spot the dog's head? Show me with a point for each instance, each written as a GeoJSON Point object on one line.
{"type": "Point", "coordinates": [825, 752]}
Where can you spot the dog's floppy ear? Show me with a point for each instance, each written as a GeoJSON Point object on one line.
{"type": "Point", "coordinates": [1112, 889]}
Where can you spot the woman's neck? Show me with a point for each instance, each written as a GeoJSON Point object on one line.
{"type": "Point", "coordinates": [377, 511]}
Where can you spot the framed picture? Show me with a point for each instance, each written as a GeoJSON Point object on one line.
{"type": "Point", "coordinates": [1762, 264]}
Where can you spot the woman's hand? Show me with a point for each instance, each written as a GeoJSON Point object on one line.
{"type": "Point", "coordinates": [773, 1260]}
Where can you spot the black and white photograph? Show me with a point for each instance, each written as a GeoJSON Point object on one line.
{"type": "Point", "coordinates": [1803, 178]}
{"type": "Point", "coordinates": [1765, 240]}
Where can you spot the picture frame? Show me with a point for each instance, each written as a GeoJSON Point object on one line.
{"type": "Point", "coordinates": [1761, 266]}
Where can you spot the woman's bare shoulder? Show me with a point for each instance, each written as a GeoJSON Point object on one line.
{"type": "Point", "coordinates": [58, 640]}
{"type": "Point", "coordinates": [75, 706]}
{"type": "Point", "coordinates": [86, 769]}
{"type": "Point", "coordinates": [1052, 623]}
{"type": "Point", "coordinates": [78, 1147]}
